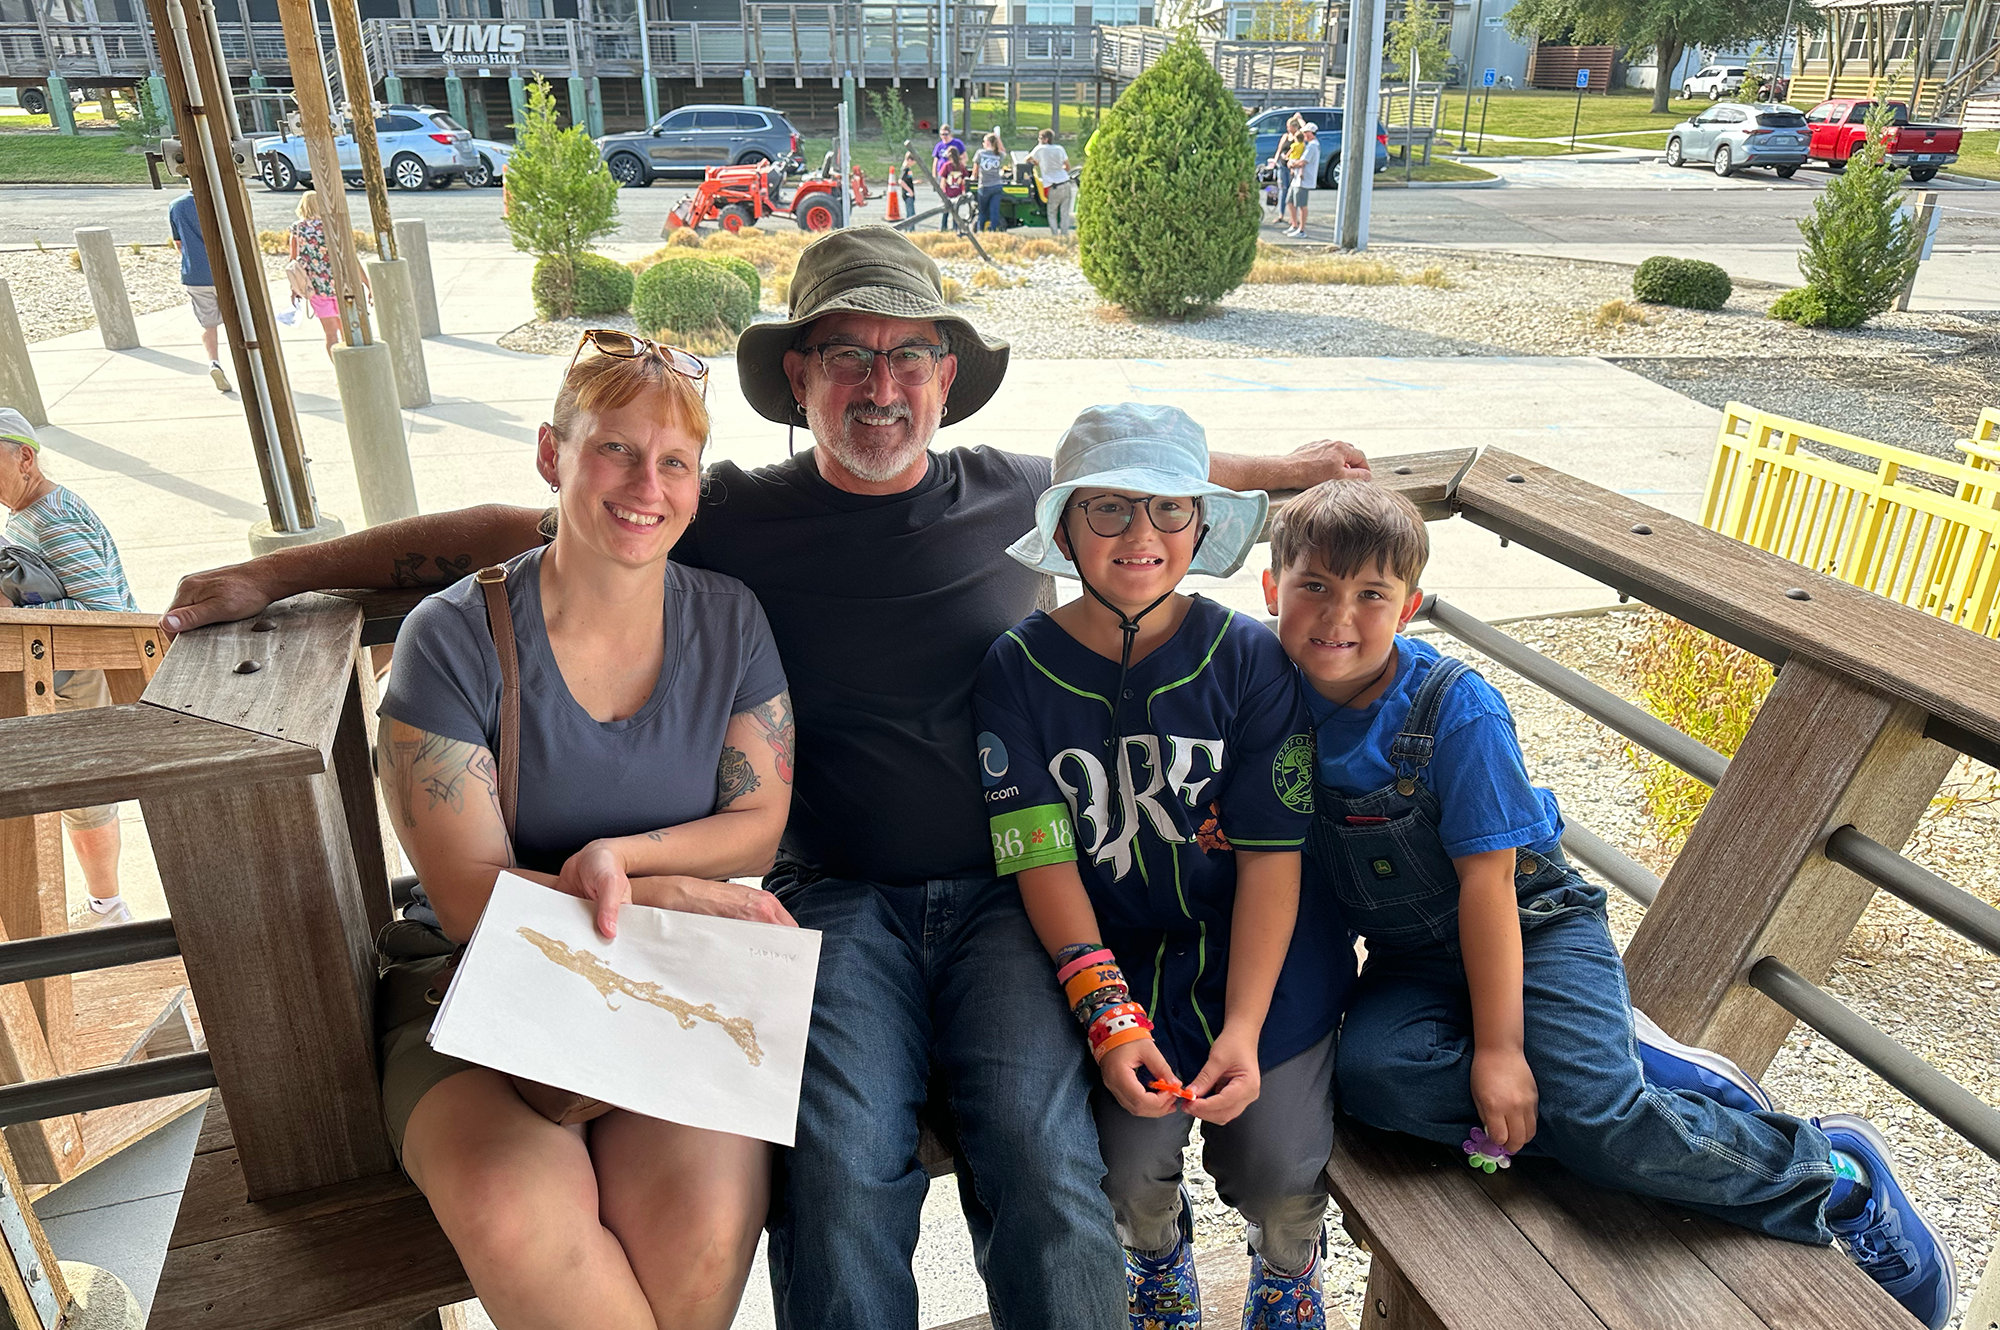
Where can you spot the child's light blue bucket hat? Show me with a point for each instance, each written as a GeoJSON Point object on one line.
{"type": "Point", "coordinates": [1143, 450]}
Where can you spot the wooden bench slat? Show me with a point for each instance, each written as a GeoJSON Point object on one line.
{"type": "Point", "coordinates": [1616, 1252]}
{"type": "Point", "coordinates": [1459, 1252]}
{"type": "Point", "coordinates": [1791, 1286]}
{"type": "Point", "coordinates": [298, 687]}
{"type": "Point", "coordinates": [213, 1207]}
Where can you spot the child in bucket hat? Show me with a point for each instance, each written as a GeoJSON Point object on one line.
{"type": "Point", "coordinates": [1148, 777]}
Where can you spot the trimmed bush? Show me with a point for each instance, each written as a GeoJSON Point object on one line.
{"type": "Point", "coordinates": [560, 195]}
{"type": "Point", "coordinates": [746, 270]}
{"type": "Point", "coordinates": [1167, 214]}
{"type": "Point", "coordinates": [596, 285]}
{"type": "Point", "coordinates": [1810, 307]}
{"type": "Point", "coordinates": [689, 295]}
{"type": "Point", "coordinates": [1686, 283]}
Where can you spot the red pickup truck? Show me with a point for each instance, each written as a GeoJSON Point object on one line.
{"type": "Point", "coordinates": [1838, 127]}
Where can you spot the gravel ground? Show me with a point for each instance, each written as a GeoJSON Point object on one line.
{"type": "Point", "coordinates": [1926, 986]}
{"type": "Point", "coordinates": [52, 299]}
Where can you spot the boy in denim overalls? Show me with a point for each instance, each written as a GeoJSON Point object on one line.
{"type": "Point", "coordinates": [1493, 996]}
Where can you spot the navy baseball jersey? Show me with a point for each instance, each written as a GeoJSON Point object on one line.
{"type": "Point", "coordinates": [1216, 755]}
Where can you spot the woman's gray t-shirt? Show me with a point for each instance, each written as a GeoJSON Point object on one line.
{"type": "Point", "coordinates": [582, 779]}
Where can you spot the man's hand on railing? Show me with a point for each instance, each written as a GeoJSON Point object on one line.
{"type": "Point", "coordinates": [219, 595]}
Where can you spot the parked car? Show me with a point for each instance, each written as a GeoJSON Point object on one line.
{"type": "Point", "coordinates": [689, 141]}
{"type": "Point", "coordinates": [1730, 135]}
{"type": "Point", "coordinates": [1267, 127]}
{"type": "Point", "coordinates": [1839, 125]}
{"type": "Point", "coordinates": [421, 147]}
{"type": "Point", "coordinates": [1714, 82]}
{"type": "Point", "coordinates": [492, 165]}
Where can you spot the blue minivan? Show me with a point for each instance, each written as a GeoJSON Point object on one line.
{"type": "Point", "coordinates": [1267, 127]}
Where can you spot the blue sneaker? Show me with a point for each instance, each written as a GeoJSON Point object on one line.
{"type": "Point", "coordinates": [1161, 1292]}
{"type": "Point", "coordinates": [1279, 1302]}
{"type": "Point", "coordinates": [1677, 1066]}
{"type": "Point", "coordinates": [1891, 1240]}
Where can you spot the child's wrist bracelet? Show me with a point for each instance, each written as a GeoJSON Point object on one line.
{"type": "Point", "coordinates": [1088, 958]}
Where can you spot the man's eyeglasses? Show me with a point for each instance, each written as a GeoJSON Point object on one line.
{"type": "Point", "coordinates": [629, 346]}
{"type": "Point", "coordinates": [913, 364]}
{"type": "Point", "coordinates": [1111, 514]}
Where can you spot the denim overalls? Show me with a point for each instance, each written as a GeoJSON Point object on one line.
{"type": "Point", "coordinates": [1405, 1055]}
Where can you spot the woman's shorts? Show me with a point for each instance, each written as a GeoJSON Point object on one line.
{"type": "Point", "coordinates": [410, 1066]}
{"type": "Point", "coordinates": [324, 307]}
{"type": "Point", "coordinates": [83, 690]}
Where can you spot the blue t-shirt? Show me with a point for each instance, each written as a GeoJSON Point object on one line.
{"type": "Point", "coordinates": [1485, 799]}
{"type": "Point", "coordinates": [185, 223]}
{"type": "Point", "coordinates": [1215, 756]}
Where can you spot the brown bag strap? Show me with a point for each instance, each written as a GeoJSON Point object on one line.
{"type": "Point", "coordinates": [500, 619]}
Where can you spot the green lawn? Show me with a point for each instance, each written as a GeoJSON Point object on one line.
{"type": "Point", "coordinates": [1534, 113]}
{"type": "Point", "coordinates": [88, 159]}
{"type": "Point", "coordinates": [1439, 169]}
{"type": "Point", "coordinates": [1979, 155]}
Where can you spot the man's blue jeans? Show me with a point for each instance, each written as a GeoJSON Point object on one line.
{"type": "Point", "coordinates": [1405, 1064]}
{"type": "Point", "coordinates": [946, 976]}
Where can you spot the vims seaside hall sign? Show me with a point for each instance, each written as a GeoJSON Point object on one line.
{"type": "Point", "coordinates": [478, 43]}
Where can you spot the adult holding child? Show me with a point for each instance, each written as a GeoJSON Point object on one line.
{"type": "Point", "coordinates": [651, 746]}
{"type": "Point", "coordinates": [875, 558]}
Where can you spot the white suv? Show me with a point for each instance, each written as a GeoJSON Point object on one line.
{"type": "Point", "coordinates": [1714, 82]}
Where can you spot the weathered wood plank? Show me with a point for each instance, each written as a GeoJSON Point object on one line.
{"type": "Point", "coordinates": [35, 614]}
{"type": "Point", "coordinates": [107, 648]}
{"type": "Point", "coordinates": [128, 752]}
{"type": "Point", "coordinates": [34, 900]}
{"type": "Point", "coordinates": [1790, 1285]}
{"type": "Point", "coordinates": [355, 1269]}
{"type": "Point", "coordinates": [267, 902]}
{"type": "Point", "coordinates": [302, 648]}
{"type": "Point", "coordinates": [1823, 752]}
{"type": "Point", "coordinates": [215, 1132]}
{"type": "Point", "coordinates": [1463, 1257]}
{"type": "Point", "coordinates": [213, 1206]}
{"type": "Point", "coordinates": [382, 612]}
{"type": "Point", "coordinates": [1738, 592]}
{"type": "Point", "coordinates": [1615, 1252]}
{"type": "Point", "coordinates": [1422, 478]}
{"type": "Point", "coordinates": [18, 1302]}
{"type": "Point", "coordinates": [1392, 1304]}
{"type": "Point", "coordinates": [361, 796]}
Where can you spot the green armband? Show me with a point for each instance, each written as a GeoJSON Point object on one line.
{"type": "Point", "coordinates": [1032, 838]}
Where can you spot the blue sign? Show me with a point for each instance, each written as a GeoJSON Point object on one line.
{"type": "Point", "coordinates": [1582, 78]}
{"type": "Point", "coordinates": [1491, 77]}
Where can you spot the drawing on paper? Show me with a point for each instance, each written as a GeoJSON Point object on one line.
{"type": "Point", "coordinates": [608, 982]}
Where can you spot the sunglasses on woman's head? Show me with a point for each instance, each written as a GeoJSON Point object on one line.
{"type": "Point", "coordinates": [630, 346]}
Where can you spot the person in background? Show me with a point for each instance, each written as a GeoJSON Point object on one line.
{"type": "Point", "coordinates": [185, 224]}
{"type": "Point", "coordinates": [1052, 165]}
{"type": "Point", "coordinates": [992, 164]}
{"type": "Point", "coordinates": [908, 183]}
{"type": "Point", "coordinates": [1281, 162]}
{"type": "Point", "coordinates": [947, 141]}
{"type": "Point", "coordinates": [56, 524]}
{"type": "Point", "coordinates": [1305, 174]}
{"type": "Point", "coordinates": [951, 180]}
{"type": "Point", "coordinates": [308, 245]}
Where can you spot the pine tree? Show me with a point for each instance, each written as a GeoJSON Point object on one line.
{"type": "Point", "coordinates": [1860, 251]}
{"type": "Point", "coordinates": [1167, 214]}
{"type": "Point", "coordinates": [560, 195]}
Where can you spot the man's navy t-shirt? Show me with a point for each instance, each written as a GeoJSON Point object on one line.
{"type": "Point", "coordinates": [882, 607]}
{"type": "Point", "coordinates": [185, 224]}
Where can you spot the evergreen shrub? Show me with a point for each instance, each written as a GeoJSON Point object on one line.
{"type": "Point", "coordinates": [686, 295]}
{"type": "Point", "coordinates": [1685, 283]}
{"type": "Point", "coordinates": [1859, 253]}
{"type": "Point", "coordinates": [594, 285]}
{"type": "Point", "coordinates": [1167, 214]}
{"type": "Point", "coordinates": [560, 197]}
{"type": "Point", "coordinates": [745, 269]}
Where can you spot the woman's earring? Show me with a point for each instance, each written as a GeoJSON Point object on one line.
{"type": "Point", "coordinates": [554, 488]}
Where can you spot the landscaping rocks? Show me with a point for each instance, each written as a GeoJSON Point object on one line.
{"type": "Point", "coordinates": [52, 298]}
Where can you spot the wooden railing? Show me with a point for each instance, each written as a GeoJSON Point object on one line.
{"type": "Point", "coordinates": [249, 753]}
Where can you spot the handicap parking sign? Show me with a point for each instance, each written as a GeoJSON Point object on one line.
{"type": "Point", "coordinates": [1491, 77]}
{"type": "Point", "coordinates": [1582, 78]}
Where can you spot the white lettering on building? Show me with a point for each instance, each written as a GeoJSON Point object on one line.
{"type": "Point", "coordinates": [477, 43]}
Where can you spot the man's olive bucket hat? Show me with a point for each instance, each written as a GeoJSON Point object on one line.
{"type": "Point", "coordinates": [1140, 449]}
{"type": "Point", "coordinates": [865, 270]}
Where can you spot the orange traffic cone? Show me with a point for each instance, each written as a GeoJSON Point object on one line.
{"type": "Point", "coordinates": [895, 202]}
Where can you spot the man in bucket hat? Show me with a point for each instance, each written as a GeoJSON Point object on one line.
{"type": "Point", "coordinates": [879, 565]}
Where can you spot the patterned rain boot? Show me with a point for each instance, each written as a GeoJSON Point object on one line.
{"type": "Point", "coordinates": [1161, 1292]}
{"type": "Point", "coordinates": [1284, 1302]}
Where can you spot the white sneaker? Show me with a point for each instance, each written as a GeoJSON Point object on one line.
{"type": "Point", "coordinates": [117, 914]}
{"type": "Point", "coordinates": [221, 379]}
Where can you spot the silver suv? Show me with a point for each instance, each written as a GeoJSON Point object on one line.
{"type": "Point", "coordinates": [421, 147]}
{"type": "Point", "coordinates": [689, 141]}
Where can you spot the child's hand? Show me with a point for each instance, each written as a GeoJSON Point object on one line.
{"type": "Point", "coordinates": [1127, 1069]}
{"type": "Point", "coordinates": [1230, 1082]}
{"type": "Point", "coordinates": [1503, 1089]}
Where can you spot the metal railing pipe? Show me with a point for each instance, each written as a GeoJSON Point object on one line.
{"type": "Point", "coordinates": [1697, 759]}
{"type": "Point", "coordinates": [1609, 862]}
{"type": "Point", "coordinates": [1936, 1093]}
{"type": "Point", "coordinates": [83, 1091]}
{"type": "Point", "coordinates": [1954, 907]}
{"type": "Point", "coordinates": [93, 949]}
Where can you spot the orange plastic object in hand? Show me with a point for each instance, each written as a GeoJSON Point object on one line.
{"type": "Point", "coordinates": [1174, 1088]}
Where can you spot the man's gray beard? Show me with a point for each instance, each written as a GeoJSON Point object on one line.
{"type": "Point", "coordinates": [878, 466]}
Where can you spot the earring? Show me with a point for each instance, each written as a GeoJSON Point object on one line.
{"type": "Point", "coordinates": [554, 488]}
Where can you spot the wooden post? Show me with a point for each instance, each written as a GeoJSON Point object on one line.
{"type": "Point", "coordinates": [32, 894]}
{"type": "Point", "coordinates": [360, 85]}
{"type": "Point", "coordinates": [316, 127]}
{"type": "Point", "coordinates": [1824, 752]}
{"type": "Point", "coordinates": [268, 900]}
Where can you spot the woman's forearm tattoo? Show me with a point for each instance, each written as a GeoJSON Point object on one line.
{"type": "Point", "coordinates": [774, 721]}
{"type": "Point", "coordinates": [734, 778]}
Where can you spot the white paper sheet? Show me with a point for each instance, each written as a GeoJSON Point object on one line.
{"type": "Point", "coordinates": [686, 1017]}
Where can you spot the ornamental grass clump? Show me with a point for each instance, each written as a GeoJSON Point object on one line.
{"type": "Point", "coordinates": [1706, 689]}
{"type": "Point", "coordinates": [1167, 214]}
{"type": "Point", "coordinates": [1860, 252]}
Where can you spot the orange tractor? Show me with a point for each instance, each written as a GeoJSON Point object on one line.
{"type": "Point", "coordinates": [734, 197]}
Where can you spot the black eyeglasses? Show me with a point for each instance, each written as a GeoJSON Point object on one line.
{"type": "Point", "coordinates": [628, 346]}
{"type": "Point", "coordinates": [912, 364]}
{"type": "Point", "coordinates": [1111, 514]}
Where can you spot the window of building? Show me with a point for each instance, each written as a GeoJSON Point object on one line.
{"type": "Point", "coordinates": [1906, 28]}
{"type": "Point", "coordinates": [1949, 27]}
{"type": "Point", "coordinates": [1816, 48]}
{"type": "Point", "coordinates": [1114, 14]}
{"type": "Point", "coordinates": [1857, 37]}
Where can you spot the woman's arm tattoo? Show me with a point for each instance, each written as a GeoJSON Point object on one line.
{"type": "Point", "coordinates": [430, 770]}
{"type": "Point", "coordinates": [734, 778]}
{"type": "Point", "coordinates": [773, 720]}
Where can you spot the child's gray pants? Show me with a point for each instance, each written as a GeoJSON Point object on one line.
{"type": "Point", "coordinates": [1269, 1163]}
